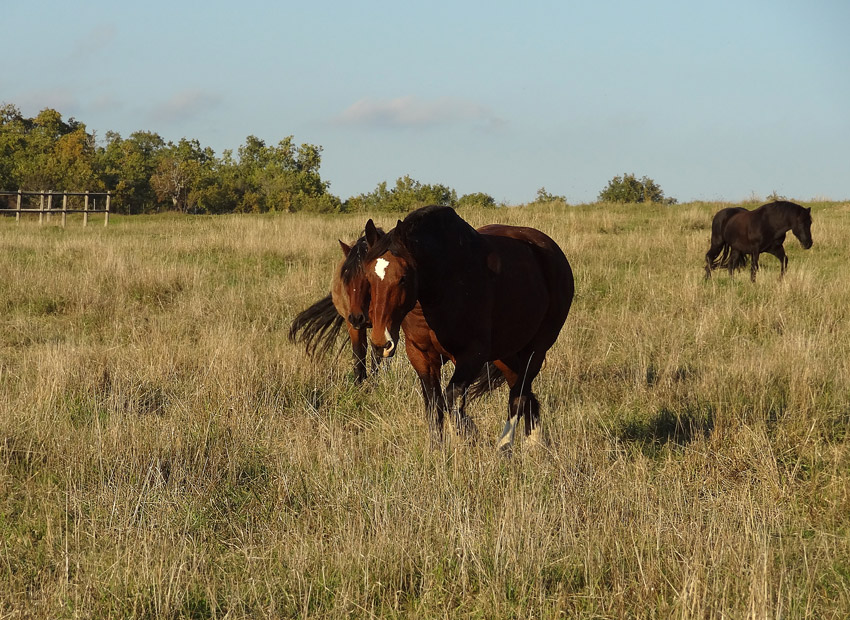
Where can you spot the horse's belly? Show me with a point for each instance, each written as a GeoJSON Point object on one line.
{"type": "Point", "coordinates": [517, 313]}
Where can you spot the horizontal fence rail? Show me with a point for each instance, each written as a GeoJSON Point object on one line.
{"type": "Point", "coordinates": [47, 204]}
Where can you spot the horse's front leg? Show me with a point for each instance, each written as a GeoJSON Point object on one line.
{"type": "Point", "coordinates": [711, 257]}
{"type": "Point", "coordinates": [358, 348]}
{"type": "Point", "coordinates": [754, 267]}
{"type": "Point", "coordinates": [779, 252]}
{"type": "Point", "coordinates": [427, 364]}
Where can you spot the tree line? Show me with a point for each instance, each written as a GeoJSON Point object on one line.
{"type": "Point", "coordinates": [147, 174]}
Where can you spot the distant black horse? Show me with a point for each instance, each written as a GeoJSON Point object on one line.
{"type": "Point", "coordinates": [737, 233]}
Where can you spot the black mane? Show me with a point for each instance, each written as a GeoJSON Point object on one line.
{"type": "Point", "coordinates": [434, 230]}
{"type": "Point", "coordinates": [352, 266]}
{"type": "Point", "coordinates": [782, 206]}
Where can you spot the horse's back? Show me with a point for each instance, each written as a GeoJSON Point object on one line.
{"type": "Point", "coordinates": [721, 219]}
{"type": "Point", "coordinates": [547, 253]}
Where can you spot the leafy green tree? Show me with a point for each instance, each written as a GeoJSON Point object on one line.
{"type": "Point", "coordinates": [282, 178]}
{"type": "Point", "coordinates": [407, 195]}
{"type": "Point", "coordinates": [45, 152]}
{"type": "Point", "coordinates": [145, 174]}
{"type": "Point", "coordinates": [628, 188]}
{"type": "Point", "coordinates": [478, 199]}
{"type": "Point", "coordinates": [13, 133]}
{"type": "Point", "coordinates": [179, 173]}
{"type": "Point", "coordinates": [126, 167]}
{"type": "Point", "coordinates": [544, 197]}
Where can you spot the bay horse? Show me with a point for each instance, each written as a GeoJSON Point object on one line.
{"type": "Point", "coordinates": [498, 294]}
{"type": "Point", "coordinates": [319, 326]}
{"type": "Point", "coordinates": [737, 233]}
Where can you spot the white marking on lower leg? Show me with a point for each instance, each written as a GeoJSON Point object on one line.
{"type": "Point", "coordinates": [381, 267]}
{"type": "Point", "coordinates": [507, 437]}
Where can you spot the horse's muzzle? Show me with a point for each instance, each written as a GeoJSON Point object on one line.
{"type": "Point", "coordinates": [386, 350]}
{"type": "Point", "coordinates": [358, 321]}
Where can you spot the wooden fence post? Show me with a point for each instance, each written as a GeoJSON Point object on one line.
{"type": "Point", "coordinates": [18, 213]}
{"type": "Point", "coordinates": [41, 209]}
{"type": "Point", "coordinates": [86, 210]}
{"type": "Point", "coordinates": [106, 220]}
{"type": "Point", "coordinates": [64, 208]}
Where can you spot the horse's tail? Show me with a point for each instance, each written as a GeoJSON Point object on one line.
{"type": "Point", "coordinates": [488, 379]}
{"type": "Point", "coordinates": [723, 259]}
{"type": "Point", "coordinates": [317, 327]}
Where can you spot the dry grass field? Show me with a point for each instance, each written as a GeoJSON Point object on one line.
{"type": "Point", "coordinates": [165, 452]}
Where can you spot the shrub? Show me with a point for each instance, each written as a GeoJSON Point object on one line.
{"type": "Point", "coordinates": [478, 199]}
{"type": "Point", "coordinates": [628, 188]}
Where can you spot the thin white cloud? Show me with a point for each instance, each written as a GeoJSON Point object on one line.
{"type": "Point", "coordinates": [411, 111]}
{"type": "Point", "coordinates": [184, 105]}
{"type": "Point", "coordinates": [93, 43]}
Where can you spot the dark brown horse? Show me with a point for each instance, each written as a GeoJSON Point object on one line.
{"type": "Point", "coordinates": [737, 233]}
{"type": "Point", "coordinates": [500, 294]}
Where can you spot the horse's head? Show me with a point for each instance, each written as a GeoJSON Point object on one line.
{"type": "Point", "coordinates": [392, 287]}
{"type": "Point", "coordinates": [802, 227]}
{"type": "Point", "coordinates": [353, 287]}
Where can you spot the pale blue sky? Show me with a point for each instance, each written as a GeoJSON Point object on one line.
{"type": "Point", "coordinates": [714, 100]}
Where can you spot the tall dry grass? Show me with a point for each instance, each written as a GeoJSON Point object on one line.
{"type": "Point", "coordinates": [166, 453]}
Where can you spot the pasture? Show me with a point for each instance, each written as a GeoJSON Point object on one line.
{"type": "Point", "coordinates": [165, 452]}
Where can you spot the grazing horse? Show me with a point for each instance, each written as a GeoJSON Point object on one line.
{"type": "Point", "coordinates": [500, 294]}
{"type": "Point", "coordinates": [737, 233]}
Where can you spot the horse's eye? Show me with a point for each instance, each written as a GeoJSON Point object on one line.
{"type": "Point", "coordinates": [402, 280]}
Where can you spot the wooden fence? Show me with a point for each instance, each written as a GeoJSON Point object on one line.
{"type": "Point", "coordinates": [47, 204]}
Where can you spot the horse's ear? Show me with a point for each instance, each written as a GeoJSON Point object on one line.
{"type": "Point", "coordinates": [345, 247]}
{"type": "Point", "coordinates": [372, 235]}
{"type": "Point", "coordinates": [399, 230]}
{"type": "Point", "coordinates": [809, 209]}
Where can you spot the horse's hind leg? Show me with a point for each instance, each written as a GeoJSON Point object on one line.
{"type": "Point", "coordinates": [522, 403]}
{"type": "Point", "coordinates": [711, 256]}
{"type": "Point", "coordinates": [530, 407]}
{"type": "Point", "coordinates": [754, 267]}
{"type": "Point", "coordinates": [455, 396]}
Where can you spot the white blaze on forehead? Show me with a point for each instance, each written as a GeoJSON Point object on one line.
{"type": "Point", "coordinates": [381, 267]}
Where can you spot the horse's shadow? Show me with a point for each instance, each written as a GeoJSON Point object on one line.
{"type": "Point", "coordinates": [668, 428]}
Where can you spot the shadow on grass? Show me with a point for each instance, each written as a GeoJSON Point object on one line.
{"type": "Point", "coordinates": [666, 429]}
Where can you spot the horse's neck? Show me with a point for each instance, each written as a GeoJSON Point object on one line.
{"type": "Point", "coordinates": [784, 223]}
{"type": "Point", "coordinates": [442, 275]}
